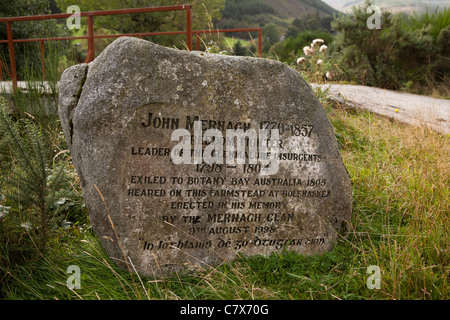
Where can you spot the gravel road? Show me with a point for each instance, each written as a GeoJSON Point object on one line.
{"type": "Point", "coordinates": [404, 107]}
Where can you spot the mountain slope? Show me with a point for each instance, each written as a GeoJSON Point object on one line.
{"type": "Point", "coordinates": [391, 5]}
{"type": "Point", "coordinates": [292, 9]}
{"type": "Point", "coordinates": [256, 13]}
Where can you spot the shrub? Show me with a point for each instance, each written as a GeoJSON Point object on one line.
{"type": "Point", "coordinates": [405, 52]}
{"type": "Point", "coordinates": [34, 187]}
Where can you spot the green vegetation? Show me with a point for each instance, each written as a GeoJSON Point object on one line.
{"type": "Point", "coordinates": [27, 54]}
{"type": "Point", "coordinates": [257, 13]}
{"type": "Point", "coordinates": [291, 49]}
{"type": "Point", "coordinates": [203, 13]}
{"type": "Point", "coordinates": [276, 18]}
{"type": "Point", "coordinates": [399, 173]}
{"type": "Point", "coordinates": [244, 14]}
{"type": "Point", "coordinates": [400, 223]}
{"type": "Point", "coordinates": [32, 182]}
{"type": "Point", "coordinates": [408, 52]}
{"type": "Point", "coordinates": [403, 5]}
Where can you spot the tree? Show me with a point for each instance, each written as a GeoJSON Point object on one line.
{"type": "Point", "coordinates": [31, 180]}
{"type": "Point", "coordinates": [271, 35]}
{"type": "Point", "coordinates": [238, 49]}
{"type": "Point", "coordinates": [292, 31]}
{"type": "Point", "coordinates": [313, 21]}
{"type": "Point", "coordinates": [389, 57]}
{"type": "Point", "coordinates": [27, 54]}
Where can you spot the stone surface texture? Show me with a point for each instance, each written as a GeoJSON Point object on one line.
{"type": "Point", "coordinates": [103, 107]}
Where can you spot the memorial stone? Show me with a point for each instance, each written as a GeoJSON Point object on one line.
{"type": "Point", "coordinates": [153, 133]}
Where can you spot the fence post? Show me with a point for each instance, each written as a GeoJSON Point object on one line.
{"type": "Point", "coordinates": [189, 27]}
{"type": "Point", "coordinates": [260, 42]}
{"type": "Point", "coordinates": [91, 48]}
{"type": "Point", "coordinates": [12, 57]}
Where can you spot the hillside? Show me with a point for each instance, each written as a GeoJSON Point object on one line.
{"type": "Point", "coordinates": [391, 5]}
{"type": "Point", "coordinates": [257, 13]}
{"type": "Point", "coordinates": [291, 9]}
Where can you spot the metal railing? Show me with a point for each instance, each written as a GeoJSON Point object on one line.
{"type": "Point", "coordinates": [91, 36]}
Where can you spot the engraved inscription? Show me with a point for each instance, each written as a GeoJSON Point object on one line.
{"type": "Point", "coordinates": [227, 199]}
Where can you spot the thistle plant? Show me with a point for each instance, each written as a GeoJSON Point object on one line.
{"type": "Point", "coordinates": [312, 64]}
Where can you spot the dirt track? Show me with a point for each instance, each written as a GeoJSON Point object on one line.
{"type": "Point", "coordinates": [404, 107]}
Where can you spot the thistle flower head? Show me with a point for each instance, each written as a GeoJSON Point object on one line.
{"type": "Point", "coordinates": [301, 60]}
{"type": "Point", "coordinates": [317, 41]}
{"type": "Point", "coordinates": [308, 50]}
{"type": "Point", "coordinates": [323, 48]}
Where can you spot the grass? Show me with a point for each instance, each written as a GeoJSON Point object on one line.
{"type": "Point", "coordinates": [400, 177]}
{"type": "Point", "coordinates": [401, 191]}
{"type": "Point", "coordinates": [400, 224]}
{"type": "Point", "coordinates": [231, 41]}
